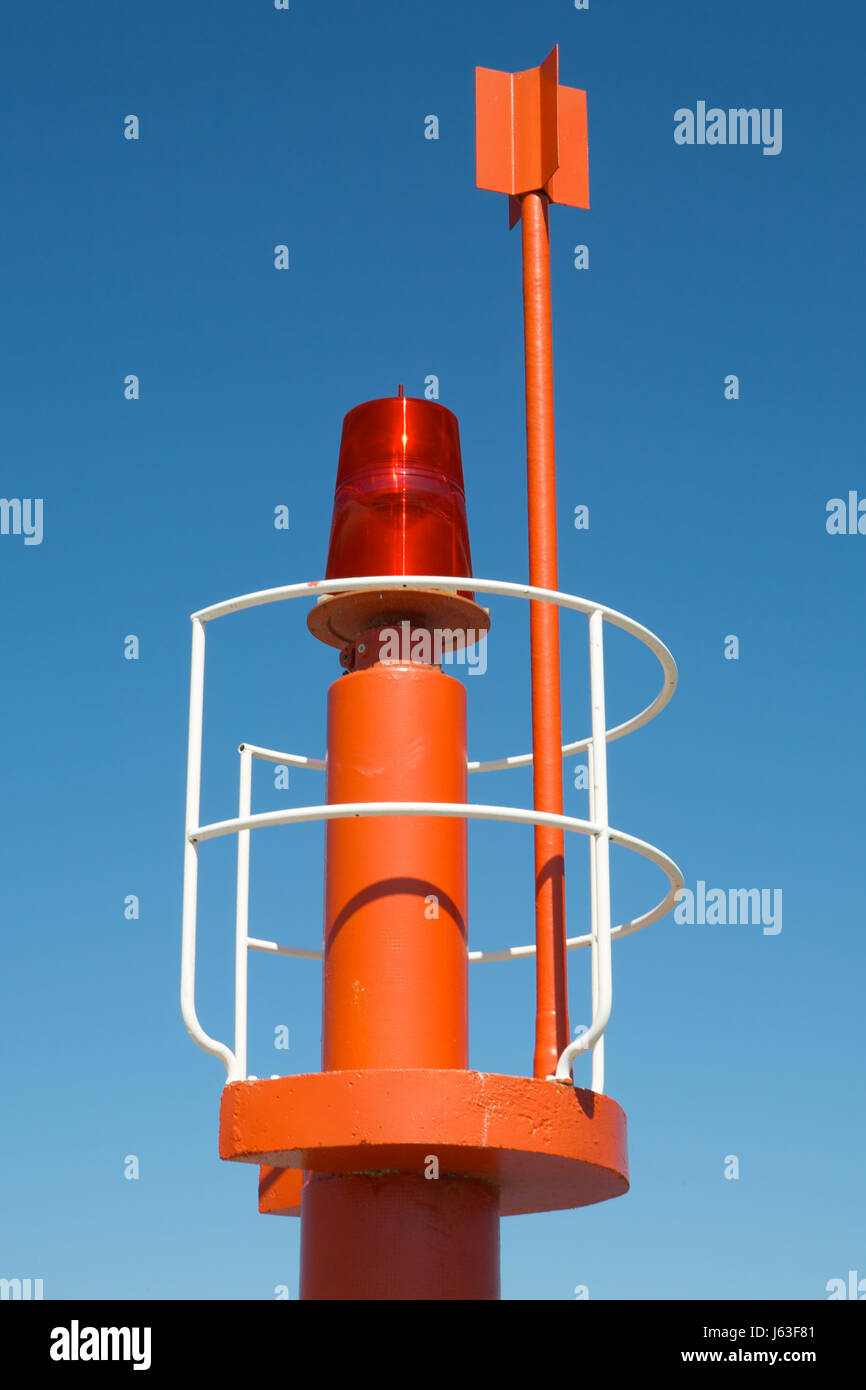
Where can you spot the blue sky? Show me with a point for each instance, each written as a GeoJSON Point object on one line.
{"type": "Point", "coordinates": [707, 519]}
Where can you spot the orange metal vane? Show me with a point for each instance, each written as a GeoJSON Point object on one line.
{"type": "Point", "coordinates": [531, 135]}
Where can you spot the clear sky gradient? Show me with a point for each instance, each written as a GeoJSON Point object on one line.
{"type": "Point", "coordinates": [708, 518]}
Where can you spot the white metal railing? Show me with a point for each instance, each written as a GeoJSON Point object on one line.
{"type": "Point", "coordinates": [597, 828]}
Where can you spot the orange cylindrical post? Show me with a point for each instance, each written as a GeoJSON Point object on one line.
{"type": "Point", "coordinates": [551, 1023]}
{"type": "Point", "coordinates": [395, 987]}
{"type": "Point", "coordinates": [395, 962]}
{"type": "Point", "coordinates": [398, 1236]}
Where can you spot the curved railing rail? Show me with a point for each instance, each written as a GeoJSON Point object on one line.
{"type": "Point", "coordinates": [601, 835]}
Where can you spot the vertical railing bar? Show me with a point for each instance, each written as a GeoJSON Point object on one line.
{"type": "Point", "coordinates": [601, 941]}
{"type": "Point", "coordinates": [242, 913]}
{"type": "Point", "coordinates": [593, 1038]}
{"type": "Point", "coordinates": [190, 863]}
{"type": "Point", "coordinates": [598, 1049]}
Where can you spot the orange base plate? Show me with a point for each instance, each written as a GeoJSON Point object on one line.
{"type": "Point", "coordinates": [547, 1146]}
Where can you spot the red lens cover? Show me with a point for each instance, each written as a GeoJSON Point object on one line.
{"type": "Point", "coordinates": [399, 506]}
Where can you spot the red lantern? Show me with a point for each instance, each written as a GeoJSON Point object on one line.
{"type": "Point", "coordinates": [399, 509]}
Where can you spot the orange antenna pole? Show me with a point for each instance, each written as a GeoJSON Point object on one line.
{"type": "Point", "coordinates": [551, 1018]}
{"type": "Point", "coordinates": [531, 143]}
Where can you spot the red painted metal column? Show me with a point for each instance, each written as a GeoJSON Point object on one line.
{"type": "Point", "coordinates": [551, 1024]}
{"type": "Point", "coordinates": [395, 988]}
{"type": "Point", "coordinates": [395, 962]}
{"type": "Point", "coordinates": [397, 1236]}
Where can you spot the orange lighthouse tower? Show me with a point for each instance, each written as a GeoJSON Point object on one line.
{"type": "Point", "coordinates": [398, 1158]}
